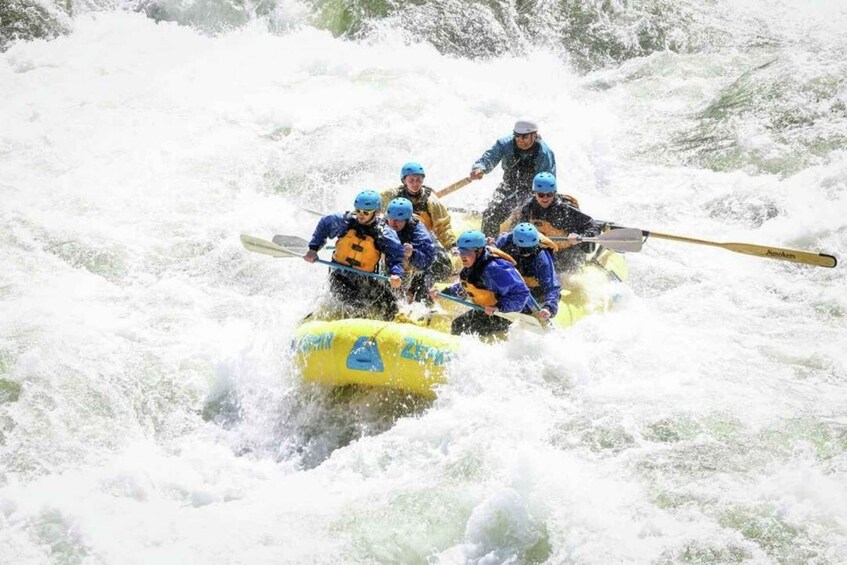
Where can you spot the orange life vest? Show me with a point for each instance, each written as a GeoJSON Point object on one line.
{"type": "Point", "coordinates": [480, 296]}
{"type": "Point", "coordinates": [546, 228]}
{"type": "Point", "coordinates": [357, 249]}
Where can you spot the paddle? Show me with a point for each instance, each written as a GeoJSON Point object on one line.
{"type": "Point", "coordinates": [764, 251]}
{"type": "Point", "coordinates": [453, 187]}
{"type": "Point", "coordinates": [630, 239]}
{"type": "Point", "coordinates": [531, 322]}
{"type": "Point", "coordinates": [312, 212]}
{"type": "Point", "coordinates": [265, 247]}
{"type": "Point", "coordinates": [626, 239]}
{"type": "Point", "coordinates": [295, 243]}
{"type": "Point", "coordinates": [536, 308]}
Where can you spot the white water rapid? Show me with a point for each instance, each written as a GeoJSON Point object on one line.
{"type": "Point", "coordinates": [148, 410]}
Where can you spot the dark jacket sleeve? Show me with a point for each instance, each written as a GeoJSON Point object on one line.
{"type": "Point", "coordinates": [584, 225]}
{"type": "Point", "coordinates": [390, 246]}
{"type": "Point", "coordinates": [424, 253]}
{"type": "Point", "coordinates": [503, 240]}
{"type": "Point", "coordinates": [548, 281]}
{"type": "Point", "coordinates": [503, 279]}
{"type": "Point", "coordinates": [329, 227]}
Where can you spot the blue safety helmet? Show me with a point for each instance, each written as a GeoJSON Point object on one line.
{"type": "Point", "coordinates": [411, 169]}
{"type": "Point", "coordinates": [399, 209]}
{"type": "Point", "coordinates": [471, 239]}
{"type": "Point", "coordinates": [544, 183]}
{"type": "Point", "coordinates": [368, 200]}
{"type": "Point", "coordinates": [526, 235]}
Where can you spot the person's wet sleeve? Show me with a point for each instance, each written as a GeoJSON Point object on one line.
{"type": "Point", "coordinates": [510, 288]}
{"type": "Point", "coordinates": [330, 226]}
{"type": "Point", "coordinates": [393, 250]}
{"type": "Point", "coordinates": [549, 282]}
{"type": "Point", "coordinates": [424, 253]}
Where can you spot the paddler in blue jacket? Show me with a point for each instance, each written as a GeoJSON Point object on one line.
{"type": "Point", "coordinates": [418, 246]}
{"type": "Point", "coordinates": [490, 280]}
{"type": "Point", "coordinates": [535, 264]}
{"type": "Point", "coordinates": [363, 239]}
{"type": "Point", "coordinates": [522, 154]}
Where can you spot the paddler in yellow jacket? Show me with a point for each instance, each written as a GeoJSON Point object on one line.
{"type": "Point", "coordinates": [490, 280]}
{"type": "Point", "coordinates": [431, 212]}
{"type": "Point", "coordinates": [363, 239]}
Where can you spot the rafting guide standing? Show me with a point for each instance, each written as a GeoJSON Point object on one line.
{"type": "Point", "coordinates": [522, 154]}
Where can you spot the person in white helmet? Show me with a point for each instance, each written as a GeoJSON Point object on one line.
{"type": "Point", "coordinates": [522, 154]}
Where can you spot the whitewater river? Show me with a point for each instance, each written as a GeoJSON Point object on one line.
{"type": "Point", "coordinates": [148, 409]}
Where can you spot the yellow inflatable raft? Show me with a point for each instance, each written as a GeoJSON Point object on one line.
{"type": "Point", "coordinates": [373, 353]}
{"type": "Point", "coordinates": [594, 289]}
{"type": "Point", "coordinates": [415, 356]}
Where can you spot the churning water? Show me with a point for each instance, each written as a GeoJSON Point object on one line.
{"type": "Point", "coordinates": [148, 410]}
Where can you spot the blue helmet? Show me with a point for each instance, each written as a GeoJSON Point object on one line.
{"type": "Point", "coordinates": [368, 200]}
{"type": "Point", "coordinates": [544, 183]}
{"type": "Point", "coordinates": [526, 235]}
{"type": "Point", "coordinates": [411, 169]}
{"type": "Point", "coordinates": [399, 209]}
{"type": "Point", "coordinates": [471, 239]}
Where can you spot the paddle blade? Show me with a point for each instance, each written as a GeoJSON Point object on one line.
{"type": "Point", "coordinates": [265, 247]}
{"type": "Point", "coordinates": [525, 321]}
{"type": "Point", "coordinates": [625, 240]}
{"type": "Point", "coordinates": [792, 255]}
{"type": "Point", "coordinates": [292, 243]}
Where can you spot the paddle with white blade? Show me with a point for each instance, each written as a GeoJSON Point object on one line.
{"type": "Point", "coordinates": [524, 320]}
{"type": "Point", "coordinates": [764, 251]}
{"type": "Point", "coordinates": [623, 240]}
{"type": "Point", "coordinates": [632, 239]}
{"type": "Point", "coordinates": [265, 247]}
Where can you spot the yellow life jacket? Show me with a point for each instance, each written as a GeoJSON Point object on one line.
{"type": "Point", "coordinates": [497, 252]}
{"type": "Point", "coordinates": [546, 228]}
{"type": "Point", "coordinates": [537, 215]}
{"type": "Point", "coordinates": [531, 282]}
{"type": "Point", "coordinates": [357, 250]}
{"type": "Point", "coordinates": [480, 296]}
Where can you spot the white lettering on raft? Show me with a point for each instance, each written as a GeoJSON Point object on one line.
{"type": "Point", "coordinates": [418, 351]}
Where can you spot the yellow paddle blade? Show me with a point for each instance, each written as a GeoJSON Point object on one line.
{"type": "Point", "coordinates": [764, 251]}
